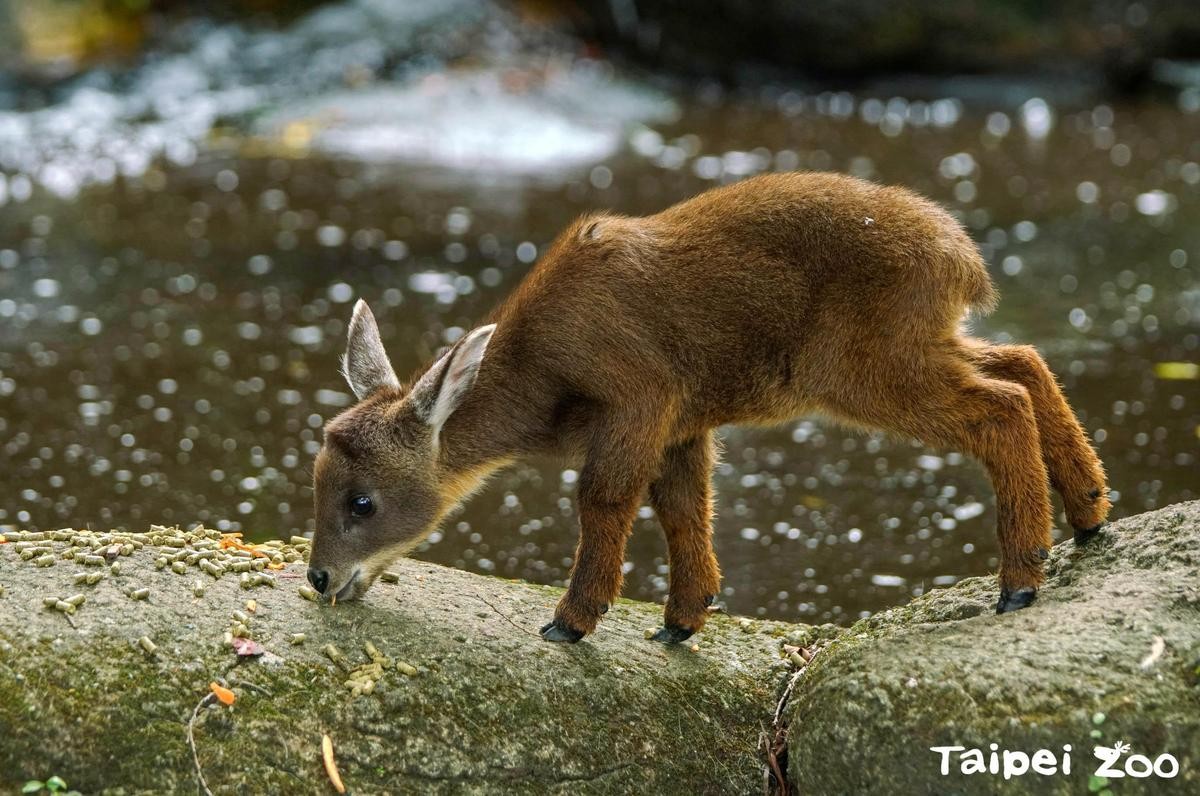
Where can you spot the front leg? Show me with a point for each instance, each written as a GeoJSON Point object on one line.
{"type": "Point", "coordinates": [596, 577]}
{"type": "Point", "coordinates": [611, 487]}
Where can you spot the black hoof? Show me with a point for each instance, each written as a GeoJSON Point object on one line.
{"type": "Point", "coordinates": [1084, 535]}
{"type": "Point", "coordinates": [672, 634]}
{"type": "Point", "coordinates": [710, 599]}
{"type": "Point", "coordinates": [557, 631]}
{"type": "Point", "coordinates": [1015, 600]}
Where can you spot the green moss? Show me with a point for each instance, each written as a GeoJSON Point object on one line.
{"type": "Point", "coordinates": [493, 708]}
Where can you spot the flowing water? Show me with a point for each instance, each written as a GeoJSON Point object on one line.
{"type": "Point", "coordinates": [174, 291]}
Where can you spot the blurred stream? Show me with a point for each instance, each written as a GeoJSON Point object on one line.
{"type": "Point", "coordinates": [181, 243]}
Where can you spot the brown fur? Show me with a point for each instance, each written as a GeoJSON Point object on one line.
{"type": "Point", "coordinates": [633, 338]}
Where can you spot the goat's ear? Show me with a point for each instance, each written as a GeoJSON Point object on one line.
{"type": "Point", "coordinates": [443, 387]}
{"type": "Point", "coordinates": [366, 365]}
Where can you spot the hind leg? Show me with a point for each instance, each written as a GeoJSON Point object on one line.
{"type": "Point", "coordinates": [1075, 470]}
{"type": "Point", "coordinates": [940, 400]}
{"type": "Point", "coordinates": [682, 498]}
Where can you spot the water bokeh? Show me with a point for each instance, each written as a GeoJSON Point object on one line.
{"type": "Point", "coordinates": [180, 249]}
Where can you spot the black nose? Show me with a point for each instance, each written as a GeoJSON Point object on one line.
{"type": "Point", "coordinates": [319, 578]}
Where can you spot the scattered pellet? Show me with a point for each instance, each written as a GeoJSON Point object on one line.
{"type": "Point", "coordinates": [149, 646]}
{"type": "Point", "coordinates": [406, 668]}
{"type": "Point", "coordinates": [308, 593]}
{"type": "Point", "coordinates": [335, 655]}
{"type": "Point", "coordinates": [297, 638]}
{"type": "Point", "coordinates": [390, 577]}
{"type": "Point", "coordinates": [140, 594]}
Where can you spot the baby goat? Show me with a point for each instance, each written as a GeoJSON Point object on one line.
{"type": "Point", "coordinates": [633, 338]}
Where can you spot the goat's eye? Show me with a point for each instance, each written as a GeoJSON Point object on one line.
{"type": "Point", "coordinates": [361, 506]}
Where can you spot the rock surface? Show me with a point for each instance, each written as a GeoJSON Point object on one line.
{"type": "Point", "coordinates": [470, 699]}
{"type": "Point", "coordinates": [1109, 652]}
{"type": "Point", "coordinates": [491, 707]}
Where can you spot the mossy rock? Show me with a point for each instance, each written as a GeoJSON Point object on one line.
{"type": "Point", "coordinates": [491, 707]}
{"type": "Point", "coordinates": [1109, 652]}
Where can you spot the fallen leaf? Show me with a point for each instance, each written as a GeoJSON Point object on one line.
{"type": "Point", "coordinates": [1157, 648]}
{"type": "Point", "coordinates": [331, 767]}
{"type": "Point", "coordinates": [230, 540]}
{"type": "Point", "coordinates": [224, 695]}
{"type": "Point", "coordinates": [1177, 370]}
{"type": "Point", "coordinates": [246, 648]}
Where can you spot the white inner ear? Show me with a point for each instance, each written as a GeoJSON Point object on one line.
{"type": "Point", "coordinates": [443, 387]}
{"type": "Point", "coordinates": [366, 365]}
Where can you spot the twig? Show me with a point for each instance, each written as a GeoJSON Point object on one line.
{"type": "Point", "coordinates": [772, 759]}
{"type": "Point", "coordinates": [777, 743]}
{"type": "Point", "coordinates": [205, 702]}
{"type": "Point", "coordinates": [787, 692]}
{"type": "Point", "coordinates": [506, 617]}
{"type": "Point", "coordinates": [253, 687]}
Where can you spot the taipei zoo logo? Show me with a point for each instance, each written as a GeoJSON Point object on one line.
{"type": "Point", "coordinates": [1114, 762]}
